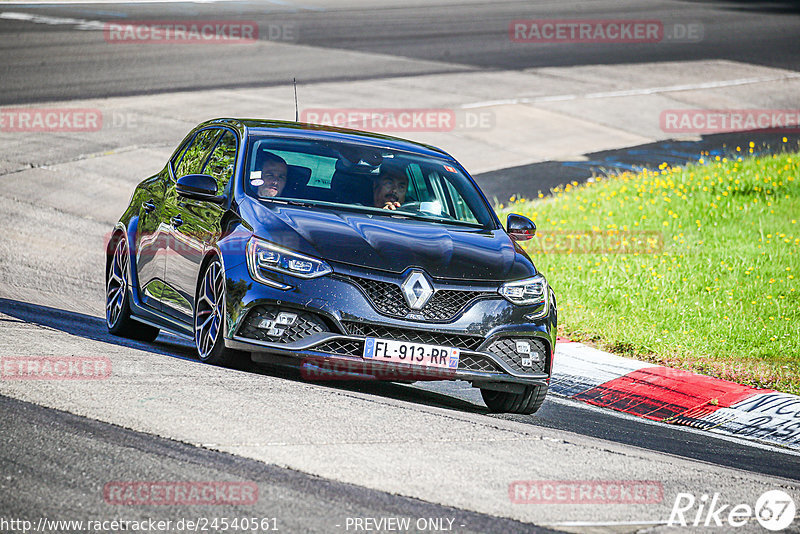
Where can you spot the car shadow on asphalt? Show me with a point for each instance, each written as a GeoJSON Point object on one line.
{"type": "Point", "coordinates": [90, 327]}
{"type": "Point", "coordinates": [94, 328]}
{"type": "Point", "coordinates": [393, 390]}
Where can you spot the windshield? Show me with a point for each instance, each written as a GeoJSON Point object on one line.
{"type": "Point", "coordinates": [381, 181]}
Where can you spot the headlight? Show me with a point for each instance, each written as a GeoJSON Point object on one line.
{"type": "Point", "coordinates": [263, 257]}
{"type": "Point", "coordinates": [528, 292]}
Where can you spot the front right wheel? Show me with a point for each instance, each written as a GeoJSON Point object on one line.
{"type": "Point", "coordinates": [527, 402]}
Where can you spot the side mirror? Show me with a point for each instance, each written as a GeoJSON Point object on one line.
{"type": "Point", "coordinates": [520, 228]}
{"type": "Point", "coordinates": [199, 187]}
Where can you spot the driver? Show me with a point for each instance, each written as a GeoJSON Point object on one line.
{"type": "Point", "coordinates": [273, 175]}
{"type": "Point", "coordinates": [389, 190]}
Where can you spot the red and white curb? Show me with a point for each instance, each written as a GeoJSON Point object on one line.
{"type": "Point", "coordinates": [674, 396]}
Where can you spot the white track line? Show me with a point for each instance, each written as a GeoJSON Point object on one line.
{"type": "Point", "coordinates": [74, 3]}
{"type": "Point", "coordinates": [605, 523]}
{"type": "Point", "coordinates": [82, 2]}
{"type": "Point", "coordinates": [632, 92]}
{"type": "Point", "coordinates": [80, 24]}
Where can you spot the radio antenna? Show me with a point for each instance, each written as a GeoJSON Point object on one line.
{"type": "Point", "coordinates": [296, 110]}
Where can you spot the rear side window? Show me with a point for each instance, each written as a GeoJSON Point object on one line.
{"type": "Point", "coordinates": [195, 156]}
{"type": "Point", "coordinates": [417, 188]}
{"type": "Point", "coordinates": [222, 161]}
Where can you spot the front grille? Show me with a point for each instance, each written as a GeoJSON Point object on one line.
{"type": "Point", "coordinates": [387, 298]}
{"type": "Point", "coordinates": [342, 347]}
{"type": "Point", "coordinates": [468, 362]}
{"type": "Point", "coordinates": [304, 325]}
{"type": "Point", "coordinates": [447, 303]}
{"type": "Point", "coordinates": [415, 336]}
{"type": "Point", "coordinates": [506, 348]}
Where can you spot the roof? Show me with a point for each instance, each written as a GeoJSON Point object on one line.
{"type": "Point", "coordinates": [317, 131]}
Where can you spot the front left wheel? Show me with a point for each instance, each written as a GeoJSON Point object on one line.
{"type": "Point", "coordinates": [118, 310]}
{"type": "Point", "coordinates": [209, 318]}
{"type": "Point", "coordinates": [527, 402]}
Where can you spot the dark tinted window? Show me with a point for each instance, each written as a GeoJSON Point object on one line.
{"type": "Point", "coordinates": [222, 162]}
{"type": "Point", "coordinates": [195, 156]}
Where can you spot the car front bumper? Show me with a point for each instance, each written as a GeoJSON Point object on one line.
{"type": "Point", "coordinates": [337, 315]}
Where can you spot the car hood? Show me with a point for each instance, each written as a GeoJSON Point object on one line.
{"type": "Point", "coordinates": [391, 243]}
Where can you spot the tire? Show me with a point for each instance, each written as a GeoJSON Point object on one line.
{"type": "Point", "coordinates": [527, 402]}
{"type": "Point", "coordinates": [118, 310]}
{"type": "Point", "coordinates": [209, 318]}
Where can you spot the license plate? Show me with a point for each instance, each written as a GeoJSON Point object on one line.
{"type": "Point", "coordinates": [389, 350]}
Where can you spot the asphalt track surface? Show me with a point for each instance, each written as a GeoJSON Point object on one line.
{"type": "Point", "coordinates": [559, 414]}
{"type": "Point", "coordinates": [289, 500]}
{"type": "Point", "coordinates": [54, 464]}
{"type": "Point", "coordinates": [48, 61]}
{"type": "Point", "coordinates": [42, 62]}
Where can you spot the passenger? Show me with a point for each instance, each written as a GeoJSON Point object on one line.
{"type": "Point", "coordinates": [389, 190]}
{"type": "Point", "coordinates": [273, 175]}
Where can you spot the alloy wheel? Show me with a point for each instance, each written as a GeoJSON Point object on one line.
{"type": "Point", "coordinates": [117, 284]}
{"type": "Point", "coordinates": [208, 314]}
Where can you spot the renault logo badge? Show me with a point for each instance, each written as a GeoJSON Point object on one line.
{"type": "Point", "coordinates": [417, 290]}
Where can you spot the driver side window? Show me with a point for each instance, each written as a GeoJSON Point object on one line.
{"type": "Point", "coordinates": [222, 161]}
{"type": "Point", "coordinates": [195, 155]}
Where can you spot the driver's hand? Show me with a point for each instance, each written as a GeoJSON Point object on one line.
{"type": "Point", "coordinates": [391, 205]}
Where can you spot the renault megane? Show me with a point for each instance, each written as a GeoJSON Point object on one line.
{"type": "Point", "coordinates": [348, 253]}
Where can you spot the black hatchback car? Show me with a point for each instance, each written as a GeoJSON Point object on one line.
{"type": "Point", "coordinates": [350, 254]}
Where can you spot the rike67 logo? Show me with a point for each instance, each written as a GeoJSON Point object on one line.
{"type": "Point", "coordinates": [774, 510]}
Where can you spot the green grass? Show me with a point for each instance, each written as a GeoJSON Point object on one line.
{"type": "Point", "coordinates": [714, 288]}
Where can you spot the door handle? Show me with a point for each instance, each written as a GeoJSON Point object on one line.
{"type": "Point", "coordinates": [176, 221]}
{"type": "Point", "coordinates": [149, 206]}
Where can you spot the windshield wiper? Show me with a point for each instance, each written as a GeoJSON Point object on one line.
{"type": "Point", "coordinates": [290, 202]}
{"type": "Point", "coordinates": [444, 220]}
